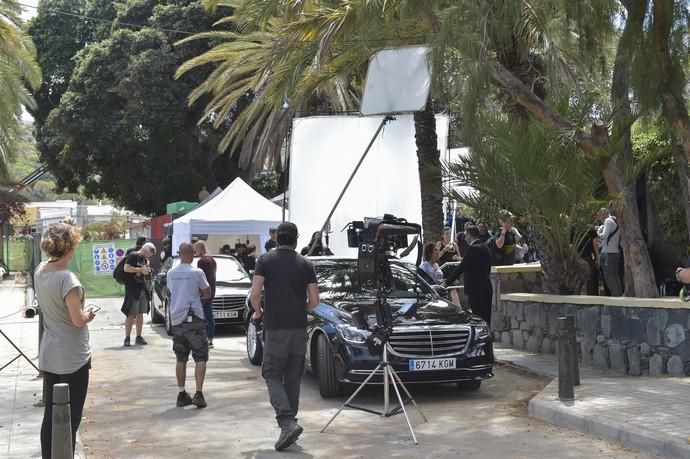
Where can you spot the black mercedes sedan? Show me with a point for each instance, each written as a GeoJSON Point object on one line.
{"type": "Point", "coordinates": [433, 340]}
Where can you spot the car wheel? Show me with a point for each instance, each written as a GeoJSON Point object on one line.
{"type": "Point", "coordinates": [255, 350]}
{"type": "Point", "coordinates": [329, 386]}
{"type": "Point", "coordinates": [168, 321]}
{"type": "Point", "coordinates": [470, 386]}
{"type": "Point", "coordinates": [156, 317]}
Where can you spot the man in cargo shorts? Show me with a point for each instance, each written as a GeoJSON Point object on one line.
{"type": "Point", "coordinates": [188, 285]}
{"type": "Point", "coordinates": [290, 289]}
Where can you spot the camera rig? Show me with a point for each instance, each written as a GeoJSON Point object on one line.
{"type": "Point", "coordinates": [377, 241]}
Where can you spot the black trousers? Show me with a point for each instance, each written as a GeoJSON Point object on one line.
{"type": "Point", "coordinates": [480, 303]}
{"type": "Point", "coordinates": [78, 385]}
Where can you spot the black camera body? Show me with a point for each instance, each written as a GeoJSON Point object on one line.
{"type": "Point", "coordinates": [377, 239]}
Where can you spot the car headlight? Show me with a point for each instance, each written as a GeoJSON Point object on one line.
{"type": "Point", "coordinates": [481, 332]}
{"type": "Point", "coordinates": [352, 334]}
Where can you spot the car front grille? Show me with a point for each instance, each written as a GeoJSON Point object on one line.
{"type": "Point", "coordinates": [228, 303]}
{"type": "Point", "coordinates": [429, 341]}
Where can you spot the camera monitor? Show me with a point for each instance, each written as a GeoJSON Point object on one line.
{"type": "Point", "coordinates": [398, 81]}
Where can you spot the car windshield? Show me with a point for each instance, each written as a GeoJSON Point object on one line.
{"type": "Point", "coordinates": [338, 278]}
{"type": "Point", "coordinates": [228, 270]}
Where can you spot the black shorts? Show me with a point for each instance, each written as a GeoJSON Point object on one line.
{"type": "Point", "coordinates": [190, 336]}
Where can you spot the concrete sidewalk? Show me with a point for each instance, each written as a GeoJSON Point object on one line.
{"type": "Point", "coordinates": [648, 413]}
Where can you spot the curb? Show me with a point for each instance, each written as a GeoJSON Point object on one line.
{"type": "Point", "coordinates": [518, 367]}
{"type": "Point", "coordinates": [556, 413]}
{"type": "Point", "coordinates": [79, 447]}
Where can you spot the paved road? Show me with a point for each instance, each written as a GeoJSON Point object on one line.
{"type": "Point", "coordinates": [131, 411]}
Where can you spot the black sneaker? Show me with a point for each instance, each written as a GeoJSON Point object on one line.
{"type": "Point", "coordinates": [210, 344]}
{"type": "Point", "coordinates": [183, 399]}
{"type": "Point", "coordinates": [140, 340]}
{"type": "Point", "coordinates": [127, 343]}
{"type": "Point", "coordinates": [199, 400]}
{"type": "Point", "coordinates": [289, 434]}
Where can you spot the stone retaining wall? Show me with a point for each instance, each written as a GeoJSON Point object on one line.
{"type": "Point", "coordinates": [628, 335]}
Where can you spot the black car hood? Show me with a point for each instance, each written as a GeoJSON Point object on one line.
{"type": "Point", "coordinates": [425, 311]}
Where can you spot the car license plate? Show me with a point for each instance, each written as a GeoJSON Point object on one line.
{"type": "Point", "coordinates": [225, 314]}
{"type": "Point", "coordinates": [432, 364]}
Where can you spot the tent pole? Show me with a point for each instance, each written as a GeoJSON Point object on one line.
{"type": "Point", "coordinates": [326, 223]}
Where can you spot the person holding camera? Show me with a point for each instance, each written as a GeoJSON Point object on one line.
{"type": "Point", "coordinates": [509, 237]}
{"type": "Point", "coordinates": [290, 291]}
{"type": "Point", "coordinates": [136, 303]}
{"type": "Point", "coordinates": [188, 286]}
{"type": "Point", "coordinates": [609, 252]}
{"type": "Point", "coordinates": [65, 354]}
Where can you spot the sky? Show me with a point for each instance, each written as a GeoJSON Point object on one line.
{"type": "Point", "coordinates": [29, 12]}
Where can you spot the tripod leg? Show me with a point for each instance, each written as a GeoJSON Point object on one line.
{"type": "Point", "coordinates": [371, 375]}
{"type": "Point", "coordinates": [402, 405]}
{"type": "Point", "coordinates": [18, 350]}
{"type": "Point", "coordinates": [399, 381]}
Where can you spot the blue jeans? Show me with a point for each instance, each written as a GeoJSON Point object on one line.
{"type": "Point", "coordinates": [208, 315]}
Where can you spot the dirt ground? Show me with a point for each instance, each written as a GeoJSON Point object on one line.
{"type": "Point", "coordinates": [131, 411]}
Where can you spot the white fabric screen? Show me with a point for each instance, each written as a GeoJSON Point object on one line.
{"type": "Point", "coordinates": [324, 152]}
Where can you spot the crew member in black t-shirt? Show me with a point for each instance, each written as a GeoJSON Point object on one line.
{"type": "Point", "coordinates": [290, 291]}
{"type": "Point", "coordinates": [136, 304]}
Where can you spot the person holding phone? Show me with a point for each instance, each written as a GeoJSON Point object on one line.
{"type": "Point", "coordinates": [65, 354]}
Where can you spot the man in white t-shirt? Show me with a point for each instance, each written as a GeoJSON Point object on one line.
{"type": "Point", "coordinates": [609, 238]}
{"type": "Point", "coordinates": [188, 285]}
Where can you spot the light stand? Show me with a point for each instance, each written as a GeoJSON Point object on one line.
{"type": "Point", "coordinates": [21, 354]}
{"type": "Point", "coordinates": [390, 377]}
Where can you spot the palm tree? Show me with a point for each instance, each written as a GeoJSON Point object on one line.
{"type": "Point", "coordinates": [546, 181]}
{"type": "Point", "coordinates": [18, 68]}
{"type": "Point", "coordinates": [530, 50]}
{"type": "Point", "coordinates": [305, 56]}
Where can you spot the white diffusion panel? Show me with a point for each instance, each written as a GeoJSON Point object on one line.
{"type": "Point", "coordinates": [398, 81]}
{"type": "Point", "coordinates": [324, 152]}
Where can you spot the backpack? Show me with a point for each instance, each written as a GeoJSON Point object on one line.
{"type": "Point", "coordinates": [119, 273]}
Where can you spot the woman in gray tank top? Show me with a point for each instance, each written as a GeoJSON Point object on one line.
{"type": "Point", "coordinates": [65, 354]}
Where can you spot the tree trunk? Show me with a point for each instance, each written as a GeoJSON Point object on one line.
{"type": "Point", "coordinates": [638, 265]}
{"type": "Point", "coordinates": [429, 161]}
{"type": "Point", "coordinates": [672, 77]}
{"type": "Point", "coordinates": [681, 162]}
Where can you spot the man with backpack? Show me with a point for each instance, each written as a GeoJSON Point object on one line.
{"type": "Point", "coordinates": [610, 236]}
{"type": "Point", "coordinates": [136, 304]}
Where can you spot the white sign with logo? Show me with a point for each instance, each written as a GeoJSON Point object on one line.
{"type": "Point", "coordinates": [104, 259]}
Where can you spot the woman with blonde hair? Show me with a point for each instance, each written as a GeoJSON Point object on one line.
{"type": "Point", "coordinates": [65, 354]}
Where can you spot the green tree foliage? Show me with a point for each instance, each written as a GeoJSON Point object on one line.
{"type": "Point", "coordinates": [18, 72]}
{"type": "Point", "coordinates": [111, 120]}
{"type": "Point", "coordinates": [544, 179]}
{"type": "Point", "coordinates": [292, 57]}
{"type": "Point", "coordinates": [653, 147]}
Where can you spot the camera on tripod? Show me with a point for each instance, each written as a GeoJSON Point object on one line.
{"type": "Point", "coordinates": [377, 240]}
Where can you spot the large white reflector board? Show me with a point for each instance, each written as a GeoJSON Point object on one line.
{"type": "Point", "coordinates": [324, 152]}
{"type": "Point", "coordinates": [398, 81]}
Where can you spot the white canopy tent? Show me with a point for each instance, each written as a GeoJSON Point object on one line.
{"type": "Point", "coordinates": [238, 209]}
